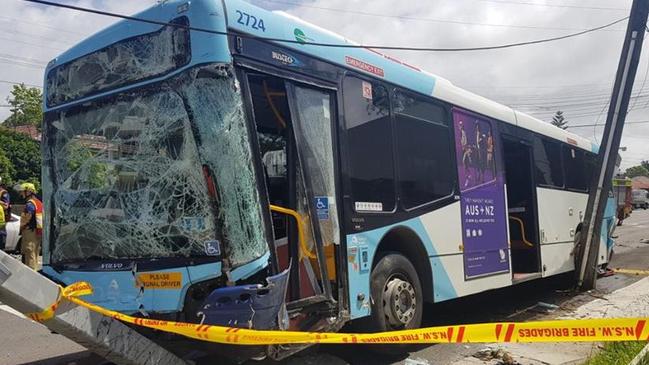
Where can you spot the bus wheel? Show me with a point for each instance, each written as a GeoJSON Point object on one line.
{"type": "Point", "coordinates": [397, 299]}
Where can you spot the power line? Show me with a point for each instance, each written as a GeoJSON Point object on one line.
{"type": "Point", "coordinates": [36, 36]}
{"type": "Point", "coordinates": [424, 49]}
{"type": "Point", "coordinates": [555, 6]}
{"type": "Point", "coordinates": [20, 83]}
{"type": "Point", "coordinates": [412, 18]}
{"type": "Point", "coordinates": [9, 19]}
{"type": "Point", "coordinates": [24, 59]}
{"type": "Point", "coordinates": [30, 44]}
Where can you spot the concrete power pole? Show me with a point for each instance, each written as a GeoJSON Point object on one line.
{"type": "Point", "coordinates": [601, 181]}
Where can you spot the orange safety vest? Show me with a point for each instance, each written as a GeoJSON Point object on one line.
{"type": "Point", "coordinates": [37, 219]}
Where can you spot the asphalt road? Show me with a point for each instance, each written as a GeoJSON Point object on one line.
{"type": "Point", "coordinates": [25, 342]}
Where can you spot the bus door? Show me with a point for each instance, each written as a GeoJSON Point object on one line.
{"type": "Point", "coordinates": [294, 130]}
{"type": "Point", "coordinates": [521, 209]}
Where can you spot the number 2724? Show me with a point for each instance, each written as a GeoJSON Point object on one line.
{"type": "Point", "coordinates": [250, 21]}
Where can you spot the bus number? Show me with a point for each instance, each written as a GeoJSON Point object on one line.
{"type": "Point", "coordinates": [250, 21]}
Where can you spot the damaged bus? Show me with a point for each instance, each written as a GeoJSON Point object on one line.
{"type": "Point", "coordinates": [199, 169]}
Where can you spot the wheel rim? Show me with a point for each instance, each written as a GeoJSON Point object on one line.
{"type": "Point", "coordinates": [399, 301]}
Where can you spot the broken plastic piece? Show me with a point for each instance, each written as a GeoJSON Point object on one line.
{"type": "Point", "coordinates": [249, 306]}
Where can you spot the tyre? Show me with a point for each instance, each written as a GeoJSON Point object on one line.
{"type": "Point", "coordinates": [397, 300]}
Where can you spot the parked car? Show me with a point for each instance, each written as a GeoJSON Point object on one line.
{"type": "Point", "coordinates": [13, 235]}
{"type": "Point", "coordinates": [640, 199]}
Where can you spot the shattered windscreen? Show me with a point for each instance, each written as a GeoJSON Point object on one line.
{"type": "Point", "coordinates": [130, 60]}
{"type": "Point", "coordinates": [127, 174]}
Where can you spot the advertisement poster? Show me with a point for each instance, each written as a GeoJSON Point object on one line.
{"type": "Point", "coordinates": [482, 196]}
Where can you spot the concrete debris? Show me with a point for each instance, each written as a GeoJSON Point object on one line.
{"type": "Point", "coordinates": [542, 307]}
{"type": "Point", "coordinates": [488, 354]}
{"type": "Point", "coordinates": [417, 361]}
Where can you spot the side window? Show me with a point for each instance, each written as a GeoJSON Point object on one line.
{"type": "Point", "coordinates": [547, 162]}
{"type": "Point", "coordinates": [424, 150]}
{"type": "Point", "coordinates": [577, 168]}
{"type": "Point", "coordinates": [369, 145]}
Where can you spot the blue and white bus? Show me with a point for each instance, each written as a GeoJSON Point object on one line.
{"type": "Point", "coordinates": [220, 177]}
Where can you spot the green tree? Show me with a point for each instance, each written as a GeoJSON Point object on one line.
{"type": "Point", "coordinates": [637, 171]}
{"type": "Point", "coordinates": [24, 154]}
{"type": "Point", "coordinates": [645, 164]}
{"type": "Point", "coordinates": [7, 170]}
{"type": "Point", "coordinates": [94, 174]}
{"type": "Point", "coordinates": [26, 106]}
{"type": "Point", "coordinates": [559, 120]}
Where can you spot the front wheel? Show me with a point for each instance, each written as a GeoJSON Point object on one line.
{"type": "Point", "coordinates": [397, 299]}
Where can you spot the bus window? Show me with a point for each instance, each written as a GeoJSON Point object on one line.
{"type": "Point", "coordinates": [424, 158]}
{"type": "Point", "coordinates": [547, 163]}
{"type": "Point", "coordinates": [577, 169]}
{"type": "Point", "coordinates": [369, 145]}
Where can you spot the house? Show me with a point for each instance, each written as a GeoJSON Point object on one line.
{"type": "Point", "coordinates": [640, 182]}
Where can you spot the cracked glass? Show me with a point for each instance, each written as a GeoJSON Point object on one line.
{"type": "Point", "coordinates": [133, 59]}
{"type": "Point", "coordinates": [126, 175]}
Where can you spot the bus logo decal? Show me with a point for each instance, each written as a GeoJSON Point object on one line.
{"type": "Point", "coordinates": [300, 36]}
{"type": "Point", "coordinates": [284, 58]}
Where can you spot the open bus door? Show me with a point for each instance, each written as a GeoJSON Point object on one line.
{"type": "Point", "coordinates": [294, 129]}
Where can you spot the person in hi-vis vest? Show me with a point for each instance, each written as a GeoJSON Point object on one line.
{"type": "Point", "coordinates": [5, 213]}
{"type": "Point", "coordinates": [31, 225]}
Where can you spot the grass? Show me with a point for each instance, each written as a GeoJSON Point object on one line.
{"type": "Point", "coordinates": [617, 353]}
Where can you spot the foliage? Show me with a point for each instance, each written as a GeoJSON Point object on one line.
{"type": "Point", "coordinates": [26, 106]}
{"type": "Point", "coordinates": [637, 171]}
{"type": "Point", "coordinates": [558, 120]}
{"type": "Point", "coordinates": [23, 155]}
{"type": "Point", "coordinates": [615, 353]}
{"type": "Point", "coordinates": [80, 157]}
{"type": "Point", "coordinates": [7, 170]}
{"type": "Point", "coordinates": [645, 164]}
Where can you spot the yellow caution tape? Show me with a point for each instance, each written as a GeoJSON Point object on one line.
{"type": "Point", "coordinates": [632, 272]}
{"type": "Point", "coordinates": [583, 330]}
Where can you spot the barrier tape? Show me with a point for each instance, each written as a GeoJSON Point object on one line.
{"type": "Point", "coordinates": [632, 272]}
{"type": "Point", "coordinates": [582, 330]}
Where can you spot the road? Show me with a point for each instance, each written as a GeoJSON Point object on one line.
{"type": "Point", "coordinates": [25, 342]}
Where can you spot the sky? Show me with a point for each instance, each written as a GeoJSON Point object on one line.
{"type": "Point", "coordinates": [573, 75]}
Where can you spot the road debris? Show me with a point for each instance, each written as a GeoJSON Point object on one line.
{"type": "Point", "coordinates": [489, 354]}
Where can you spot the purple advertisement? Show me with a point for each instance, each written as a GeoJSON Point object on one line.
{"type": "Point", "coordinates": [482, 196]}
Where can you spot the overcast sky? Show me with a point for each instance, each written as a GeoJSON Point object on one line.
{"type": "Point", "coordinates": [573, 75]}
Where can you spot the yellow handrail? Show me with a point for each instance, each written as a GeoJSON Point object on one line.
{"type": "Point", "coordinates": [269, 99]}
{"type": "Point", "coordinates": [300, 228]}
{"type": "Point", "coordinates": [520, 221]}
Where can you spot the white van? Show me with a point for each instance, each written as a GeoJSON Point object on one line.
{"type": "Point", "coordinates": [640, 199]}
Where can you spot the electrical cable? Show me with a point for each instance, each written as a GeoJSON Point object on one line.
{"type": "Point", "coordinates": [412, 18]}
{"type": "Point", "coordinates": [64, 42]}
{"type": "Point", "coordinates": [424, 49]}
{"type": "Point", "coordinates": [31, 44]}
{"type": "Point", "coordinates": [644, 79]}
{"type": "Point", "coordinates": [554, 5]}
{"type": "Point", "coordinates": [20, 83]}
{"type": "Point", "coordinates": [9, 19]}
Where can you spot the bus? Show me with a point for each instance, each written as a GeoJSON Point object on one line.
{"type": "Point", "coordinates": [222, 164]}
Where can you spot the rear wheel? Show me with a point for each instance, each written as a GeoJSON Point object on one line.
{"type": "Point", "coordinates": [397, 299]}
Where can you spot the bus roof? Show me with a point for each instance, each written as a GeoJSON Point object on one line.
{"type": "Point", "coordinates": [280, 25]}
{"type": "Point", "coordinates": [249, 19]}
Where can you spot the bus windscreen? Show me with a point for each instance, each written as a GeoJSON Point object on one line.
{"type": "Point", "coordinates": [125, 62]}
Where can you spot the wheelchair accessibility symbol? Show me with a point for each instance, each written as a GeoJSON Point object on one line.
{"type": "Point", "coordinates": [322, 207]}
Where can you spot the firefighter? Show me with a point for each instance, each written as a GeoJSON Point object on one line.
{"type": "Point", "coordinates": [5, 213]}
{"type": "Point", "coordinates": [31, 225]}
